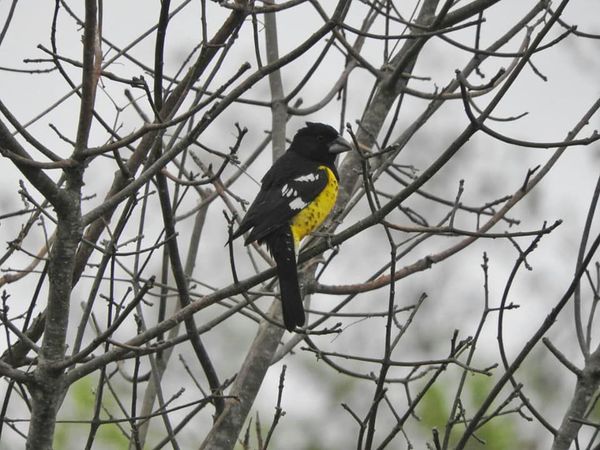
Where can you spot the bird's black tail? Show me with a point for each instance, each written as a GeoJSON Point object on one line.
{"type": "Point", "coordinates": [281, 244]}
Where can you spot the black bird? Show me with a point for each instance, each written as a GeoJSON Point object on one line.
{"type": "Point", "coordinates": [296, 195]}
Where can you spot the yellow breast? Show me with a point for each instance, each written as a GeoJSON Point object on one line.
{"type": "Point", "coordinates": [307, 220]}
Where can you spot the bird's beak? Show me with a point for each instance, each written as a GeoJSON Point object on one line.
{"type": "Point", "coordinates": [340, 145]}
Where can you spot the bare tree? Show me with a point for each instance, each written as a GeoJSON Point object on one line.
{"type": "Point", "coordinates": [131, 154]}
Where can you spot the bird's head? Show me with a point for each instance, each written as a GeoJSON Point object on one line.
{"type": "Point", "coordinates": [319, 142]}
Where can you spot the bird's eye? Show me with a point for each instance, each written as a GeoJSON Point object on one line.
{"type": "Point", "coordinates": [320, 138]}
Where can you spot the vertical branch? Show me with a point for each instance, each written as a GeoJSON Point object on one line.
{"type": "Point", "coordinates": [8, 20]}
{"type": "Point", "coordinates": [278, 105]}
{"type": "Point", "coordinates": [92, 61]}
{"type": "Point", "coordinates": [379, 394]}
{"type": "Point", "coordinates": [172, 255]}
{"type": "Point", "coordinates": [385, 363]}
{"type": "Point", "coordinates": [169, 222]}
{"type": "Point", "coordinates": [49, 386]}
{"type": "Point", "coordinates": [152, 391]}
{"type": "Point", "coordinates": [183, 290]}
{"type": "Point", "coordinates": [159, 50]}
{"type": "Point", "coordinates": [584, 343]}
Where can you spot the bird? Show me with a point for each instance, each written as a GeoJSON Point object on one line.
{"type": "Point", "coordinates": [296, 195]}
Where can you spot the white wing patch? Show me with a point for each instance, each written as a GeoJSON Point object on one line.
{"type": "Point", "coordinates": [297, 204]}
{"type": "Point", "coordinates": [288, 191]}
{"type": "Point", "coordinates": [293, 192]}
{"type": "Point", "coordinates": [308, 177]}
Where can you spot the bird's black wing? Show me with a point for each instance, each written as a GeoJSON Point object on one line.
{"type": "Point", "coordinates": [287, 188]}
